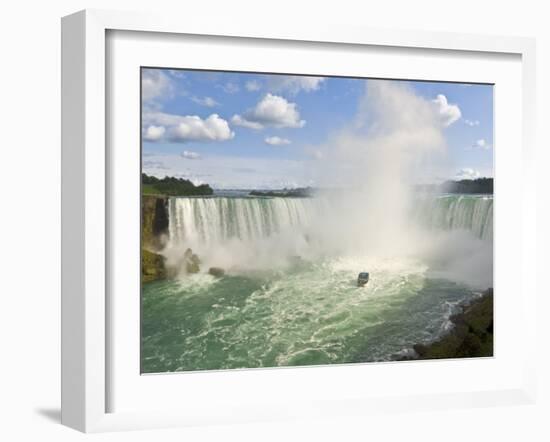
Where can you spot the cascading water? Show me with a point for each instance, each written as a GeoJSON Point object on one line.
{"type": "Point", "coordinates": [310, 310]}
{"type": "Point", "coordinates": [473, 213]}
{"type": "Point", "coordinates": [210, 221]}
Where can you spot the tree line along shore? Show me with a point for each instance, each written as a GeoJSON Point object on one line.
{"type": "Point", "coordinates": [172, 186]}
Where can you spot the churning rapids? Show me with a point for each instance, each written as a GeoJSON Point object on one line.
{"type": "Point", "coordinates": [289, 295]}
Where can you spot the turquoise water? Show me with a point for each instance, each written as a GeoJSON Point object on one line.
{"type": "Point", "coordinates": [310, 314]}
{"type": "Point", "coordinates": [285, 301]}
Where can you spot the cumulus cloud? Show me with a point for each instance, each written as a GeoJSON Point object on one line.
{"type": "Point", "coordinates": [190, 155]}
{"type": "Point", "coordinates": [154, 133]}
{"type": "Point", "coordinates": [270, 111]}
{"type": "Point", "coordinates": [195, 128]}
{"type": "Point", "coordinates": [155, 84]}
{"type": "Point", "coordinates": [237, 120]}
{"type": "Point", "coordinates": [177, 128]}
{"type": "Point", "coordinates": [471, 123]}
{"type": "Point", "coordinates": [449, 113]}
{"type": "Point", "coordinates": [293, 84]}
{"type": "Point", "coordinates": [276, 141]}
{"type": "Point", "coordinates": [252, 86]}
{"type": "Point", "coordinates": [205, 101]}
{"type": "Point", "coordinates": [467, 173]}
{"type": "Point", "coordinates": [482, 144]}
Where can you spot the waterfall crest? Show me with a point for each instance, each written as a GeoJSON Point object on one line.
{"type": "Point", "coordinates": [210, 221]}
{"type": "Point", "coordinates": [473, 213]}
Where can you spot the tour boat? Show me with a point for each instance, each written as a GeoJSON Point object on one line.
{"type": "Point", "coordinates": [362, 279]}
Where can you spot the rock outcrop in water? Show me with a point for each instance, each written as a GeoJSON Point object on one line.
{"type": "Point", "coordinates": [218, 272]}
{"type": "Point", "coordinates": [191, 261]}
{"type": "Point", "coordinates": [471, 337]}
{"type": "Point", "coordinates": [152, 266]}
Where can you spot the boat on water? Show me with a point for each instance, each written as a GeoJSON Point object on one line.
{"type": "Point", "coordinates": [362, 279]}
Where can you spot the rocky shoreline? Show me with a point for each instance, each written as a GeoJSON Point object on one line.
{"type": "Point", "coordinates": [471, 336]}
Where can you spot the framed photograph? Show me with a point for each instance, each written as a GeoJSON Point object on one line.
{"type": "Point", "coordinates": [271, 223]}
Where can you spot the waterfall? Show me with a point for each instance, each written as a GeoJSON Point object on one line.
{"type": "Point", "coordinates": [458, 212]}
{"type": "Point", "coordinates": [212, 220]}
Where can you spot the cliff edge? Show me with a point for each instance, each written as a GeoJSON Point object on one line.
{"type": "Point", "coordinates": [154, 234]}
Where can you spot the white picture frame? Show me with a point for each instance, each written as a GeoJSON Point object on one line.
{"type": "Point", "coordinates": [86, 205]}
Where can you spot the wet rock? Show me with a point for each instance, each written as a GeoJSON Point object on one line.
{"type": "Point", "coordinates": [152, 266]}
{"type": "Point", "coordinates": [154, 222]}
{"type": "Point", "coordinates": [471, 336]}
{"type": "Point", "coordinates": [218, 272]}
{"type": "Point", "coordinates": [191, 261]}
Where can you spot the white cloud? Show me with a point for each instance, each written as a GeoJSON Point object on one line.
{"type": "Point", "coordinates": [252, 86]}
{"type": "Point", "coordinates": [155, 84]}
{"type": "Point", "coordinates": [294, 84]}
{"type": "Point", "coordinates": [237, 120]}
{"type": "Point", "coordinates": [467, 173]}
{"type": "Point", "coordinates": [190, 155]}
{"type": "Point", "coordinates": [205, 101]}
{"type": "Point", "coordinates": [482, 144]}
{"type": "Point", "coordinates": [195, 128]}
{"type": "Point", "coordinates": [154, 133]}
{"type": "Point", "coordinates": [179, 128]}
{"type": "Point", "coordinates": [270, 111]}
{"type": "Point", "coordinates": [449, 113]}
{"type": "Point", "coordinates": [276, 141]}
{"type": "Point", "coordinates": [471, 123]}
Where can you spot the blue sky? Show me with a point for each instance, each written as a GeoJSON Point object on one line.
{"type": "Point", "coordinates": [240, 130]}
